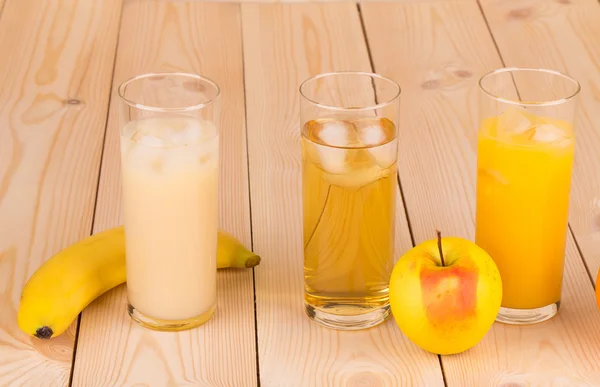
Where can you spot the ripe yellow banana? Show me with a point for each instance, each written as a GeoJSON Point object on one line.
{"type": "Point", "coordinates": [68, 281]}
{"type": "Point", "coordinates": [75, 276]}
{"type": "Point", "coordinates": [232, 253]}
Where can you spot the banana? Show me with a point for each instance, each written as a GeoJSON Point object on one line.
{"type": "Point", "coordinates": [75, 276]}
{"type": "Point", "coordinates": [231, 253]}
{"type": "Point", "coordinates": [70, 280]}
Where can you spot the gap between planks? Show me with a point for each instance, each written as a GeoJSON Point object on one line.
{"type": "Point", "coordinates": [249, 193]}
{"type": "Point", "coordinates": [406, 214]}
{"type": "Point", "coordinates": [112, 77]}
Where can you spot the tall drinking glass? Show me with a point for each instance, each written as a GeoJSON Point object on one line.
{"type": "Point", "coordinates": [170, 163]}
{"type": "Point", "coordinates": [525, 151]}
{"type": "Point", "coordinates": [349, 166]}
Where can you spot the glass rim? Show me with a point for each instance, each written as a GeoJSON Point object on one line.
{"type": "Point", "coordinates": [130, 102]}
{"type": "Point", "coordinates": [353, 109]}
{"type": "Point", "coordinates": [551, 102]}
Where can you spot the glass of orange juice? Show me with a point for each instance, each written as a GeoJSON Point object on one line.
{"type": "Point", "coordinates": [525, 152]}
{"type": "Point", "coordinates": [170, 169]}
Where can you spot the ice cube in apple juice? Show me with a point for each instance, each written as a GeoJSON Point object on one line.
{"type": "Point", "coordinates": [353, 153]}
{"type": "Point", "coordinates": [330, 140]}
{"type": "Point", "coordinates": [379, 137]}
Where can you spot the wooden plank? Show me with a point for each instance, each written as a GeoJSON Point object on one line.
{"type": "Point", "coordinates": [439, 52]}
{"type": "Point", "coordinates": [58, 61]}
{"type": "Point", "coordinates": [563, 35]}
{"type": "Point", "coordinates": [203, 38]}
{"type": "Point", "coordinates": [283, 45]}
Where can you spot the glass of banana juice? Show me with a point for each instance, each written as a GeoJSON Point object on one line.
{"type": "Point", "coordinates": [170, 169]}
{"type": "Point", "coordinates": [526, 146]}
{"type": "Point", "coordinates": [349, 124]}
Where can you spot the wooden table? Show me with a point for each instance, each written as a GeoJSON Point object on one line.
{"type": "Point", "coordinates": [60, 180]}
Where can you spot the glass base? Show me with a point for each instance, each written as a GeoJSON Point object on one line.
{"type": "Point", "coordinates": [527, 316]}
{"type": "Point", "coordinates": [169, 325]}
{"type": "Point", "coordinates": [351, 318]}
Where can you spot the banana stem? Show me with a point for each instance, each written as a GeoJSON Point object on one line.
{"type": "Point", "coordinates": [253, 260]}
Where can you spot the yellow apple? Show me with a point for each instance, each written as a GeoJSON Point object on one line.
{"type": "Point", "coordinates": [445, 294]}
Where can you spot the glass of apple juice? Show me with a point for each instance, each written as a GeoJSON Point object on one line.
{"type": "Point", "coordinates": [525, 154]}
{"type": "Point", "coordinates": [170, 167]}
{"type": "Point", "coordinates": [349, 124]}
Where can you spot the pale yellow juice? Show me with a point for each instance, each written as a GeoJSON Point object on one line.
{"type": "Point", "coordinates": [349, 193]}
{"type": "Point", "coordinates": [170, 202]}
{"type": "Point", "coordinates": [523, 183]}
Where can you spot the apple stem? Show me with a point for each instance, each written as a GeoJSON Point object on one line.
{"type": "Point", "coordinates": [439, 241]}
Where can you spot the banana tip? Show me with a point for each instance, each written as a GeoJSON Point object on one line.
{"type": "Point", "coordinates": [44, 332]}
{"type": "Point", "coordinates": [253, 261]}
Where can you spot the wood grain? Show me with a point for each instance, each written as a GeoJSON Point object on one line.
{"type": "Point", "coordinates": [439, 52]}
{"type": "Point", "coordinates": [283, 45]}
{"type": "Point", "coordinates": [112, 350]}
{"type": "Point", "coordinates": [53, 102]}
{"type": "Point", "coordinates": [563, 35]}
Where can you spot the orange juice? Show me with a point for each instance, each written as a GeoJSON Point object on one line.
{"type": "Point", "coordinates": [523, 183]}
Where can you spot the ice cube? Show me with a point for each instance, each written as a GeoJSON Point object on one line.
{"type": "Point", "coordinates": [190, 133]}
{"type": "Point", "coordinates": [371, 135]}
{"type": "Point", "coordinates": [335, 135]}
{"type": "Point", "coordinates": [515, 121]}
{"type": "Point", "coordinates": [148, 132]}
{"type": "Point", "coordinates": [333, 160]}
{"type": "Point", "coordinates": [385, 155]}
{"type": "Point", "coordinates": [171, 131]}
{"type": "Point", "coordinates": [145, 157]}
{"type": "Point", "coordinates": [149, 140]}
{"type": "Point", "coordinates": [548, 133]}
{"type": "Point", "coordinates": [179, 160]}
{"type": "Point", "coordinates": [378, 134]}
{"type": "Point", "coordinates": [148, 126]}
